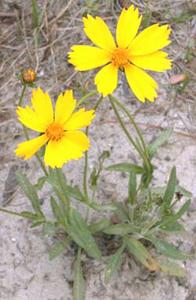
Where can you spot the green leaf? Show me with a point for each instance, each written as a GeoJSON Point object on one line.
{"type": "Point", "coordinates": [38, 222]}
{"type": "Point", "coordinates": [126, 167]}
{"type": "Point", "coordinates": [36, 14]}
{"type": "Point", "coordinates": [36, 219]}
{"type": "Point", "coordinates": [28, 215]}
{"type": "Point", "coordinates": [122, 212]}
{"type": "Point", "coordinates": [114, 264]}
{"type": "Point", "coordinates": [171, 268]}
{"type": "Point", "coordinates": [170, 190]}
{"type": "Point", "coordinates": [79, 232]}
{"type": "Point", "coordinates": [58, 212]}
{"type": "Point", "coordinates": [40, 183]}
{"type": "Point", "coordinates": [167, 249]}
{"type": "Point", "coordinates": [132, 188]}
{"type": "Point", "coordinates": [99, 226]}
{"type": "Point", "coordinates": [103, 207]}
{"type": "Point", "coordinates": [95, 174]}
{"type": "Point", "coordinates": [29, 191]}
{"type": "Point", "coordinates": [173, 218]}
{"type": "Point", "coordinates": [183, 209]}
{"type": "Point", "coordinates": [79, 282]}
{"type": "Point", "coordinates": [58, 181]}
{"type": "Point", "coordinates": [120, 229]}
{"type": "Point", "coordinates": [159, 141]}
{"type": "Point", "coordinates": [174, 227]}
{"type": "Point", "coordinates": [74, 192]}
{"type": "Point", "coordinates": [57, 178]}
{"type": "Point", "coordinates": [49, 228]}
{"type": "Point", "coordinates": [56, 250]}
{"type": "Point", "coordinates": [137, 249]}
{"type": "Point", "coordinates": [93, 177]}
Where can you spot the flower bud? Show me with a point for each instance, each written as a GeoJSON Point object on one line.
{"type": "Point", "coordinates": [28, 76]}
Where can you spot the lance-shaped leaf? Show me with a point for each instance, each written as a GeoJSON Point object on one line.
{"type": "Point", "coordinates": [80, 233]}
{"type": "Point", "coordinates": [167, 249]}
{"type": "Point", "coordinates": [120, 229]}
{"type": "Point", "coordinates": [174, 227]}
{"type": "Point", "coordinates": [58, 212]}
{"type": "Point", "coordinates": [168, 221]}
{"type": "Point", "coordinates": [132, 188]}
{"type": "Point", "coordinates": [37, 219]}
{"type": "Point", "coordinates": [170, 190]}
{"type": "Point", "coordinates": [114, 264]}
{"type": "Point", "coordinates": [59, 183]}
{"type": "Point", "coordinates": [30, 192]}
{"type": "Point", "coordinates": [171, 268]}
{"type": "Point", "coordinates": [58, 249]}
{"type": "Point", "coordinates": [99, 226]}
{"type": "Point", "coordinates": [79, 282]}
{"type": "Point", "coordinates": [126, 167]}
{"type": "Point", "coordinates": [103, 207]}
{"type": "Point", "coordinates": [139, 251]}
{"type": "Point", "coordinates": [74, 192]}
{"type": "Point", "coordinates": [159, 141]}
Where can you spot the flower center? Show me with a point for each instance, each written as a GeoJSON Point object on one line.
{"type": "Point", "coordinates": [54, 131]}
{"type": "Point", "coordinates": [120, 57]}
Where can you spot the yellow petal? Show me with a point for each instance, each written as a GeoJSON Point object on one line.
{"type": "Point", "coordinates": [106, 79]}
{"type": "Point", "coordinates": [71, 146]}
{"type": "Point", "coordinates": [142, 85]}
{"type": "Point", "coordinates": [156, 61]}
{"type": "Point", "coordinates": [79, 119]}
{"type": "Point", "coordinates": [28, 148]}
{"type": "Point", "coordinates": [30, 119]}
{"type": "Point", "coordinates": [65, 106]}
{"type": "Point", "coordinates": [150, 40]}
{"type": "Point", "coordinates": [42, 105]}
{"type": "Point", "coordinates": [98, 32]}
{"type": "Point", "coordinates": [87, 57]}
{"type": "Point", "coordinates": [127, 27]}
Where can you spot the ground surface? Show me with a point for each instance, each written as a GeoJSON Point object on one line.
{"type": "Point", "coordinates": [25, 271]}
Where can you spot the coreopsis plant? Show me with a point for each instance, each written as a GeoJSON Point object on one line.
{"type": "Point", "coordinates": [143, 220]}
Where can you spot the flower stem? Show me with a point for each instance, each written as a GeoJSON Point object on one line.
{"type": "Point", "coordinates": [10, 212]}
{"type": "Point", "coordinates": [124, 127]}
{"type": "Point", "coordinates": [22, 95]}
{"type": "Point", "coordinates": [92, 93]}
{"type": "Point", "coordinates": [142, 152]}
{"type": "Point", "coordinates": [85, 174]}
{"type": "Point", "coordinates": [61, 182]}
{"type": "Point", "coordinates": [41, 164]}
{"type": "Point", "coordinates": [131, 120]}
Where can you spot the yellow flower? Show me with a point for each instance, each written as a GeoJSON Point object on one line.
{"type": "Point", "coordinates": [131, 53]}
{"type": "Point", "coordinates": [59, 129]}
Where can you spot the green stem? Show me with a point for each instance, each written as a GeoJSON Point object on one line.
{"type": "Point", "coordinates": [64, 198]}
{"type": "Point", "coordinates": [10, 212]}
{"type": "Point", "coordinates": [123, 127]}
{"type": "Point", "coordinates": [22, 95]}
{"type": "Point", "coordinates": [142, 152]}
{"type": "Point", "coordinates": [90, 94]}
{"type": "Point", "coordinates": [41, 164]}
{"type": "Point", "coordinates": [131, 120]}
{"type": "Point", "coordinates": [85, 174]}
